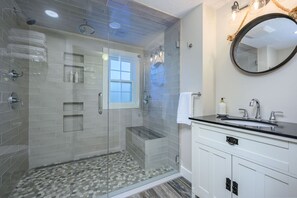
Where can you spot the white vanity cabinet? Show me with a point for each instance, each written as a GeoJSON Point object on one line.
{"type": "Point", "coordinates": [250, 165]}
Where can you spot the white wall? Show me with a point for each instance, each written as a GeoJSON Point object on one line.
{"type": "Point", "coordinates": [190, 74]}
{"type": "Point", "coordinates": [276, 90]}
{"type": "Point", "coordinates": [197, 70]}
{"type": "Point", "coordinates": [207, 67]}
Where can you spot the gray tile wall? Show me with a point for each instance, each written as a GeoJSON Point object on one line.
{"type": "Point", "coordinates": [49, 143]}
{"type": "Point", "coordinates": [160, 113]}
{"type": "Point", "coordinates": [13, 123]}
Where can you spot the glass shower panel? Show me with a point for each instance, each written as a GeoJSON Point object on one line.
{"type": "Point", "coordinates": [143, 103]}
{"type": "Point", "coordinates": [65, 124]}
{"type": "Point", "coordinates": [68, 122]}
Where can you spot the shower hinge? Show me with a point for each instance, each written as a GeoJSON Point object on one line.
{"type": "Point", "coordinates": [177, 159]}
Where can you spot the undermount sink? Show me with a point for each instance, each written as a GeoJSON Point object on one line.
{"type": "Point", "coordinates": [253, 123]}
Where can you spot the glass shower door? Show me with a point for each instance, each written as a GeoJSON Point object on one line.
{"type": "Point", "coordinates": [67, 120]}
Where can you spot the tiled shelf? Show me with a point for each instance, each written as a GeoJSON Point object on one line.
{"type": "Point", "coordinates": [73, 116]}
{"type": "Point", "coordinates": [72, 123]}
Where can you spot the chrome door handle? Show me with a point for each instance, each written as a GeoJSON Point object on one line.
{"type": "Point", "coordinates": [100, 104]}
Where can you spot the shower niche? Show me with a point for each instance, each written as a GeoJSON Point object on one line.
{"type": "Point", "coordinates": [73, 116]}
{"type": "Point", "coordinates": [73, 68]}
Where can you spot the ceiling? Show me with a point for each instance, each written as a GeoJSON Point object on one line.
{"type": "Point", "coordinates": [179, 8]}
{"type": "Point", "coordinates": [141, 20]}
{"type": "Point", "coordinates": [139, 23]}
{"type": "Point", "coordinates": [276, 33]}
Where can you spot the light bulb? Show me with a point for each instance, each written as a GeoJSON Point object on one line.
{"type": "Point", "coordinates": [259, 4]}
{"type": "Point", "coordinates": [151, 59]}
{"type": "Point", "coordinates": [161, 53]}
{"type": "Point", "coordinates": [256, 4]}
{"type": "Point", "coordinates": [105, 57]}
{"type": "Point", "coordinates": [233, 15]}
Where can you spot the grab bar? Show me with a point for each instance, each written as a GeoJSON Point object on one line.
{"type": "Point", "coordinates": [100, 108]}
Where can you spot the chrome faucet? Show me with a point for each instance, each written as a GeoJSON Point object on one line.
{"type": "Point", "coordinates": [258, 113]}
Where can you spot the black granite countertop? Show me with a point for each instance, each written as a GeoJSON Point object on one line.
{"type": "Point", "coordinates": [284, 129]}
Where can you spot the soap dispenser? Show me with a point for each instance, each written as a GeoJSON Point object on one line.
{"type": "Point", "coordinates": [76, 77]}
{"type": "Point", "coordinates": [222, 107]}
{"type": "Point", "coordinates": [71, 76]}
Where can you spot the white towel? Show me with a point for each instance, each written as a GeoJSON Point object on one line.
{"type": "Point", "coordinates": [184, 110]}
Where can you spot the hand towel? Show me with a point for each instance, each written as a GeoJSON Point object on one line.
{"type": "Point", "coordinates": [184, 110]}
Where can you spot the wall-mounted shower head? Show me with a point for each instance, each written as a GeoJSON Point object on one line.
{"type": "Point", "coordinates": [31, 21]}
{"type": "Point", "coordinates": [86, 29]}
{"type": "Point", "coordinates": [19, 13]}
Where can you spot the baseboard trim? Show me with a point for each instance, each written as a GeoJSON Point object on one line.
{"type": "Point", "coordinates": [147, 186]}
{"type": "Point", "coordinates": [186, 173]}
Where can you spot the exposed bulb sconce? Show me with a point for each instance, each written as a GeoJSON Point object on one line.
{"type": "Point", "coordinates": [235, 8]}
{"type": "Point", "coordinates": [259, 4]}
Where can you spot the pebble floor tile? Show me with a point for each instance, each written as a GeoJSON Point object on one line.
{"type": "Point", "coordinates": [85, 178]}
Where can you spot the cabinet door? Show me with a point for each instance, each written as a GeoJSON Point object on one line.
{"type": "Point", "coordinates": [210, 169]}
{"type": "Point", "coordinates": [255, 181]}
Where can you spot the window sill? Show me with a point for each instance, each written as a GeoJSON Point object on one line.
{"type": "Point", "coordinates": [123, 106]}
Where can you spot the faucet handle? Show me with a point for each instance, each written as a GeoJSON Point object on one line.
{"type": "Point", "coordinates": [245, 113]}
{"type": "Point", "coordinates": [272, 115]}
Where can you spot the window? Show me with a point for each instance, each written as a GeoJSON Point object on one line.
{"type": "Point", "coordinates": [123, 81]}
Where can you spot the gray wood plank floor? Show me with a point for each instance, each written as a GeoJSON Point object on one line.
{"type": "Point", "coordinates": [177, 188]}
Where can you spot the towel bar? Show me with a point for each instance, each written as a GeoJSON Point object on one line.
{"type": "Point", "coordinates": [197, 94]}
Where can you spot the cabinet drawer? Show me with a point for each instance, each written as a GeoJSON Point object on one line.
{"type": "Point", "coordinates": [273, 153]}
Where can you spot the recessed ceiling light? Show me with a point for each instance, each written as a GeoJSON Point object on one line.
{"type": "Point", "coordinates": [51, 13]}
{"type": "Point", "coordinates": [115, 25]}
{"type": "Point", "coordinates": [296, 32]}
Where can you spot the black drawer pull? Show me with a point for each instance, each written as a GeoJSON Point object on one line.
{"type": "Point", "coordinates": [235, 188]}
{"type": "Point", "coordinates": [232, 140]}
{"type": "Point", "coordinates": [228, 184]}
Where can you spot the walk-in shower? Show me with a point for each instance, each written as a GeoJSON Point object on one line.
{"type": "Point", "coordinates": [88, 97]}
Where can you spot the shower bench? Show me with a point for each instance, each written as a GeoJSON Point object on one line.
{"type": "Point", "coordinates": [147, 147]}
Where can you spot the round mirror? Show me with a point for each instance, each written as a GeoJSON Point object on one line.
{"type": "Point", "coordinates": [265, 43]}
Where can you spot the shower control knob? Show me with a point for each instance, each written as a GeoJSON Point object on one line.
{"type": "Point", "coordinates": [14, 75]}
{"type": "Point", "coordinates": [14, 101]}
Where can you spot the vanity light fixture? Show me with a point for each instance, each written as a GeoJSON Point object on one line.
{"type": "Point", "coordinates": [51, 13]}
{"type": "Point", "coordinates": [157, 55]}
{"type": "Point", "coordinates": [235, 8]}
{"type": "Point", "coordinates": [257, 4]}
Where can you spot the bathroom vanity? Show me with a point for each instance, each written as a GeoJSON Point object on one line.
{"type": "Point", "coordinates": [230, 160]}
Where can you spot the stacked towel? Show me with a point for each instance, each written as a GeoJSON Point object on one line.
{"type": "Point", "coordinates": [184, 110]}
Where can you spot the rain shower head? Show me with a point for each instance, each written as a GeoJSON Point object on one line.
{"type": "Point", "coordinates": [86, 29]}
